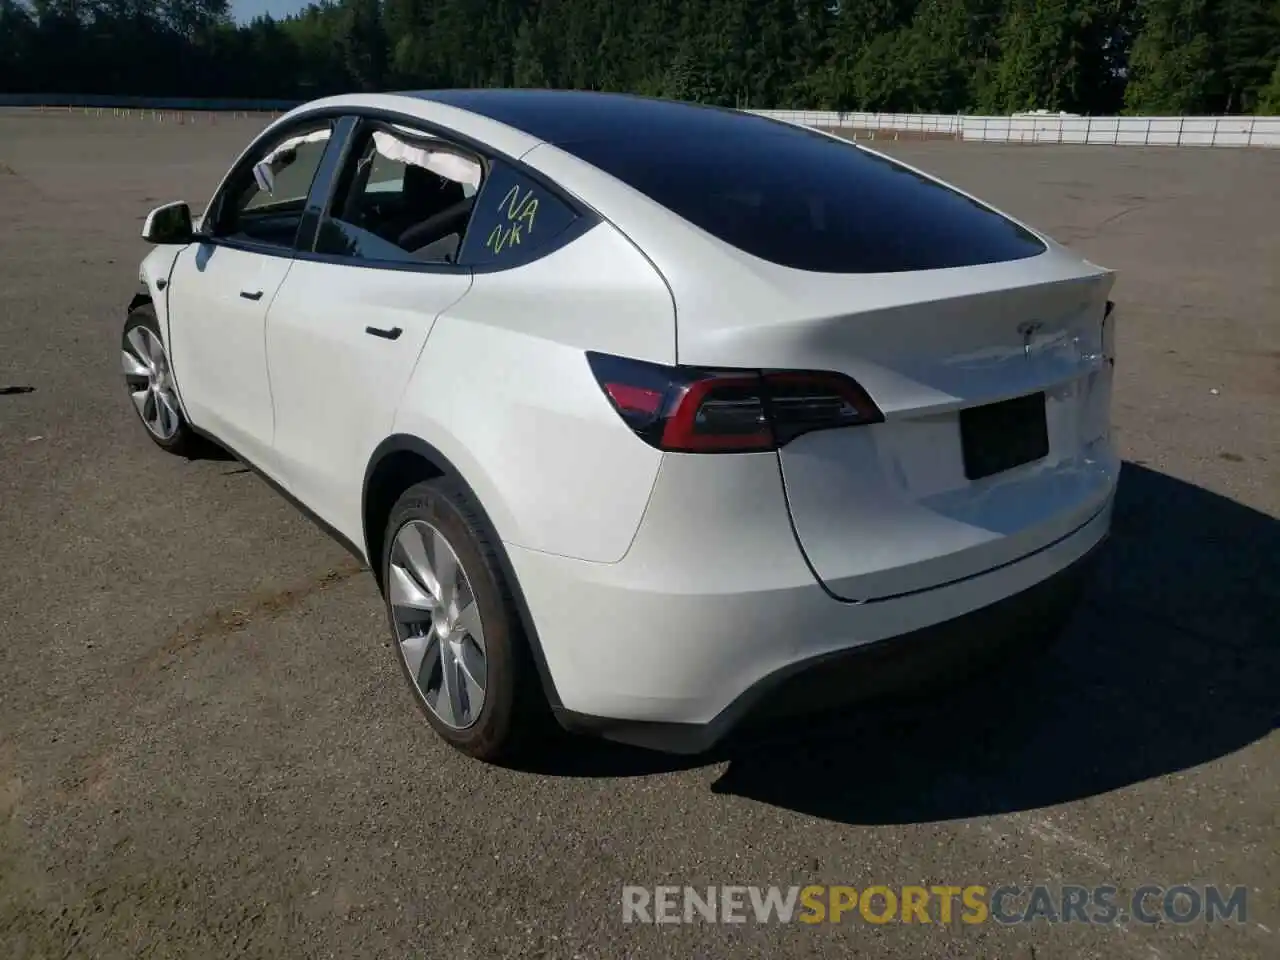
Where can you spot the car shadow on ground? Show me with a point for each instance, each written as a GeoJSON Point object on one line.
{"type": "Point", "coordinates": [207, 450]}
{"type": "Point", "coordinates": [1172, 661]}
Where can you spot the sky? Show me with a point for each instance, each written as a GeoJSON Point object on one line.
{"type": "Point", "coordinates": [246, 10]}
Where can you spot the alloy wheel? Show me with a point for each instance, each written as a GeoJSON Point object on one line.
{"type": "Point", "coordinates": [150, 380]}
{"type": "Point", "coordinates": [437, 624]}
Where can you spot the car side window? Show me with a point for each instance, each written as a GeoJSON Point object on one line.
{"type": "Point", "coordinates": [515, 217]}
{"type": "Point", "coordinates": [404, 197]}
{"type": "Point", "coordinates": [264, 201]}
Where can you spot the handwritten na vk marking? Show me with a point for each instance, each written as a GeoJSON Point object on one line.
{"type": "Point", "coordinates": [521, 212]}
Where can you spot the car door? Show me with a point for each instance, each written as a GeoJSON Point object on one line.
{"type": "Point", "coordinates": [223, 284]}
{"type": "Point", "coordinates": [347, 325]}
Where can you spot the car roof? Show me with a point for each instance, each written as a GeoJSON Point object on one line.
{"type": "Point", "coordinates": [562, 117]}
{"type": "Point", "coordinates": [749, 184]}
{"type": "Point", "coordinates": [779, 192]}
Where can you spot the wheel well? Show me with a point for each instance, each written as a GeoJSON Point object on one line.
{"type": "Point", "coordinates": [407, 461]}
{"type": "Point", "coordinates": [393, 475]}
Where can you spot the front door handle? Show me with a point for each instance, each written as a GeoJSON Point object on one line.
{"type": "Point", "coordinates": [392, 334]}
{"type": "Point", "coordinates": [251, 294]}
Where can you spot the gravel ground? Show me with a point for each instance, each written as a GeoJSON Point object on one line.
{"type": "Point", "coordinates": [206, 748]}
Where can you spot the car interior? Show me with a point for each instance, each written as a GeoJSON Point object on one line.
{"type": "Point", "coordinates": [244, 216]}
{"type": "Point", "coordinates": [402, 199]}
{"type": "Point", "coordinates": [402, 202]}
{"type": "Point", "coordinates": [270, 212]}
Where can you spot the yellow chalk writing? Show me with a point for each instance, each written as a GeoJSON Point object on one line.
{"type": "Point", "coordinates": [529, 211]}
{"type": "Point", "coordinates": [521, 212]}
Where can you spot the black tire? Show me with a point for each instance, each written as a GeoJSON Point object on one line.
{"type": "Point", "coordinates": [184, 441]}
{"type": "Point", "coordinates": [510, 718]}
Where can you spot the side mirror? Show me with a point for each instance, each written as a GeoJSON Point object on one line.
{"type": "Point", "coordinates": [169, 224]}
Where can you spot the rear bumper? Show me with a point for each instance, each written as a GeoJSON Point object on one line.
{"type": "Point", "coordinates": [714, 607]}
{"type": "Point", "coordinates": [983, 638]}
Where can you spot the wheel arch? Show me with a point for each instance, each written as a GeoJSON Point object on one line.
{"type": "Point", "coordinates": [154, 275]}
{"type": "Point", "coordinates": [397, 463]}
{"type": "Point", "coordinates": [140, 299]}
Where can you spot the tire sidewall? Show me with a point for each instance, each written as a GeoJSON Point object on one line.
{"type": "Point", "coordinates": [434, 503]}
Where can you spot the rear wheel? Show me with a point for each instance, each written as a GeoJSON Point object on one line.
{"type": "Point", "coordinates": [148, 376]}
{"type": "Point", "coordinates": [457, 635]}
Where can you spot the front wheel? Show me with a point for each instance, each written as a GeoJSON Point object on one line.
{"type": "Point", "coordinates": [148, 376]}
{"type": "Point", "coordinates": [457, 634]}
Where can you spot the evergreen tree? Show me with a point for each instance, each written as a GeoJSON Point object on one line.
{"type": "Point", "coordinates": [17, 33]}
{"type": "Point", "coordinates": [527, 59]}
{"type": "Point", "coordinates": [409, 59]}
{"type": "Point", "coordinates": [1053, 56]}
{"type": "Point", "coordinates": [1085, 56]}
{"type": "Point", "coordinates": [1269, 96]}
{"type": "Point", "coordinates": [1172, 64]}
{"type": "Point", "coordinates": [1249, 40]}
{"type": "Point", "coordinates": [364, 43]}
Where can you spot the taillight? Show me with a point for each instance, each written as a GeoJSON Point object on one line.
{"type": "Point", "coordinates": [697, 410]}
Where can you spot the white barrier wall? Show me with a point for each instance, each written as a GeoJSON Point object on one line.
{"type": "Point", "coordinates": [1145, 131]}
{"type": "Point", "coordinates": [1131, 131]}
{"type": "Point", "coordinates": [1020, 128]}
{"type": "Point", "coordinates": [918, 122]}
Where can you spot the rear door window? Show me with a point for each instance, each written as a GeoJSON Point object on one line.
{"type": "Point", "coordinates": [516, 218]}
{"type": "Point", "coordinates": [803, 200]}
{"type": "Point", "coordinates": [404, 197]}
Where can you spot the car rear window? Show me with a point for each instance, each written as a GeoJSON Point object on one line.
{"type": "Point", "coordinates": [803, 200]}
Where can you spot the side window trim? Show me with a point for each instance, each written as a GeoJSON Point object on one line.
{"type": "Point", "coordinates": [325, 182]}
{"type": "Point", "coordinates": [426, 126]}
{"type": "Point", "coordinates": [262, 249]}
{"type": "Point", "coordinates": [587, 218]}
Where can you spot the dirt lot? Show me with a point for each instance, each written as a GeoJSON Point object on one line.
{"type": "Point", "coordinates": [206, 748]}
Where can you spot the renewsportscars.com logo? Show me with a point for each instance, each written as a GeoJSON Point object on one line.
{"type": "Point", "coordinates": [943, 905]}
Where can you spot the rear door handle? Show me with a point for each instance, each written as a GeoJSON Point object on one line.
{"type": "Point", "coordinates": [251, 294]}
{"type": "Point", "coordinates": [392, 334]}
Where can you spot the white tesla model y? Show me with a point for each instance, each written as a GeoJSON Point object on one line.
{"type": "Point", "coordinates": [657, 415]}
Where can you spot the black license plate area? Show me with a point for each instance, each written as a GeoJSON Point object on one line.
{"type": "Point", "coordinates": [1000, 436]}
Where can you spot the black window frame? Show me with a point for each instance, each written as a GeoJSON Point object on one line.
{"type": "Point", "coordinates": [324, 189]}
{"type": "Point", "coordinates": [320, 182]}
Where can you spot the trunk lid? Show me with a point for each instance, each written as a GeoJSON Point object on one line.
{"type": "Point", "coordinates": [938, 492]}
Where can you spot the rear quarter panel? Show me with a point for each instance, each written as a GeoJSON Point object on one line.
{"type": "Point", "coordinates": [504, 391]}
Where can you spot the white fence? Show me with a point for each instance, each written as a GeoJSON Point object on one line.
{"type": "Point", "coordinates": [1020, 128]}
{"type": "Point", "coordinates": [1048, 128]}
{"type": "Point", "coordinates": [945, 124]}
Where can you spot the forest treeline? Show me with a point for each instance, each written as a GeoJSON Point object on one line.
{"type": "Point", "coordinates": [947, 56]}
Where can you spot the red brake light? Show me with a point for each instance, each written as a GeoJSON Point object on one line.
{"type": "Point", "coordinates": [690, 410]}
{"type": "Point", "coordinates": [719, 413]}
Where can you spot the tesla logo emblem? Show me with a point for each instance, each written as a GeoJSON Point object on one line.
{"type": "Point", "coordinates": [1028, 330]}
